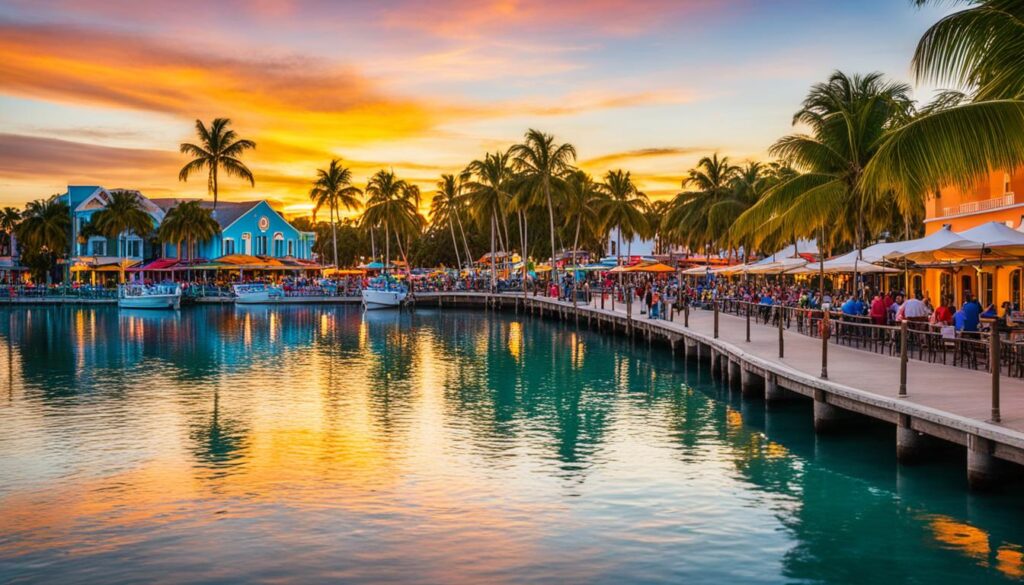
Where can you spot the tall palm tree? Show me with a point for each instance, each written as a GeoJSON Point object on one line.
{"type": "Point", "coordinates": [542, 164]}
{"type": "Point", "coordinates": [45, 229]}
{"type": "Point", "coordinates": [584, 199]}
{"type": "Point", "coordinates": [623, 208]}
{"type": "Point", "coordinates": [978, 50]}
{"type": "Point", "coordinates": [689, 217]}
{"type": "Point", "coordinates": [488, 194]}
{"type": "Point", "coordinates": [393, 204]}
{"type": "Point", "coordinates": [333, 187]}
{"type": "Point", "coordinates": [9, 218]}
{"type": "Point", "coordinates": [219, 149]}
{"type": "Point", "coordinates": [189, 223]}
{"type": "Point", "coordinates": [445, 208]}
{"type": "Point", "coordinates": [848, 117]}
{"type": "Point", "coordinates": [122, 216]}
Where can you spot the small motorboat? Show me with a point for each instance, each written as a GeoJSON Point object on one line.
{"type": "Point", "coordinates": [154, 296]}
{"type": "Point", "coordinates": [384, 294]}
{"type": "Point", "coordinates": [257, 294]}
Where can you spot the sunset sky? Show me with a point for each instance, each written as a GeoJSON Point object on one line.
{"type": "Point", "coordinates": [103, 91]}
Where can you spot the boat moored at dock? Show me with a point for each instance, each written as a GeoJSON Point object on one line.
{"type": "Point", "coordinates": [384, 294]}
{"type": "Point", "coordinates": [257, 294]}
{"type": "Point", "coordinates": [143, 296]}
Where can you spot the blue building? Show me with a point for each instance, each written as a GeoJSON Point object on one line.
{"type": "Point", "coordinates": [253, 228]}
{"type": "Point", "coordinates": [92, 251]}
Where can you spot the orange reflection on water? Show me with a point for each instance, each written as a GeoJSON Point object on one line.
{"type": "Point", "coordinates": [515, 340]}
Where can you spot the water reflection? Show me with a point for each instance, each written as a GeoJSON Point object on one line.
{"type": "Point", "coordinates": [384, 445]}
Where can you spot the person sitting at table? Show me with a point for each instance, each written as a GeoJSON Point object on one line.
{"type": "Point", "coordinates": [853, 306]}
{"type": "Point", "coordinates": [969, 316]}
{"type": "Point", "coordinates": [894, 308]}
{"type": "Point", "coordinates": [879, 312]}
{"type": "Point", "coordinates": [944, 314]}
{"type": "Point", "coordinates": [913, 309]}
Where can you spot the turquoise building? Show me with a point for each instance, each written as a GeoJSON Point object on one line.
{"type": "Point", "coordinates": [253, 228]}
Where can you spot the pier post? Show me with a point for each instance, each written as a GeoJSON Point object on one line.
{"type": "Point", "coordinates": [715, 371]}
{"type": "Point", "coordinates": [826, 331]}
{"type": "Point", "coordinates": [995, 366]}
{"type": "Point", "coordinates": [827, 418]}
{"type": "Point", "coordinates": [772, 393]}
{"type": "Point", "coordinates": [686, 315]}
{"type": "Point", "coordinates": [782, 351]}
{"type": "Point", "coordinates": [748, 322]}
{"type": "Point", "coordinates": [734, 373]}
{"type": "Point", "coordinates": [984, 471]}
{"type": "Point", "coordinates": [690, 348]}
{"type": "Point", "coordinates": [749, 383]}
{"type": "Point", "coordinates": [903, 357]}
{"type": "Point", "coordinates": [715, 303]}
{"type": "Point", "coordinates": [911, 446]}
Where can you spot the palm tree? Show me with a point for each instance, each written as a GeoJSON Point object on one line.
{"type": "Point", "coordinates": [333, 188]}
{"type": "Point", "coordinates": [979, 51]}
{"type": "Point", "coordinates": [189, 223]}
{"type": "Point", "coordinates": [45, 230]}
{"type": "Point", "coordinates": [9, 218]}
{"type": "Point", "coordinates": [394, 204]}
{"type": "Point", "coordinates": [488, 193]}
{"type": "Point", "coordinates": [623, 208]}
{"type": "Point", "coordinates": [848, 117]}
{"type": "Point", "coordinates": [123, 215]}
{"type": "Point", "coordinates": [542, 165]}
{"type": "Point", "coordinates": [689, 217]}
{"type": "Point", "coordinates": [444, 208]}
{"type": "Point", "coordinates": [584, 199]}
{"type": "Point", "coordinates": [219, 148]}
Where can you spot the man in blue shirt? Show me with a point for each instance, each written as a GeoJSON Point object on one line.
{"type": "Point", "coordinates": [969, 316]}
{"type": "Point", "coordinates": [853, 306]}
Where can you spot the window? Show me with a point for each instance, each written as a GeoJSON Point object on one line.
{"type": "Point", "coordinates": [986, 288]}
{"type": "Point", "coordinates": [97, 246]}
{"type": "Point", "coordinates": [965, 288]}
{"type": "Point", "coordinates": [133, 247]}
{"type": "Point", "coordinates": [261, 245]}
{"type": "Point", "coordinates": [945, 287]}
{"type": "Point", "coordinates": [918, 282]}
{"type": "Point", "coordinates": [1006, 183]}
{"type": "Point", "coordinates": [1015, 288]}
{"type": "Point", "coordinates": [291, 247]}
{"type": "Point", "coordinates": [278, 245]}
{"type": "Point", "coordinates": [247, 243]}
{"type": "Point", "coordinates": [229, 246]}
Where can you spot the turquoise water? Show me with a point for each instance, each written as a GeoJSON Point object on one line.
{"type": "Point", "coordinates": [318, 444]}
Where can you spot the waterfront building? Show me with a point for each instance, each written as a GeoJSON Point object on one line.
{"type": "Point", "coordinates": [998, 197]}
{"type": "Point", "coordinates": [252, 228]}
{"type": "Point", "coordinates": [92, 252]}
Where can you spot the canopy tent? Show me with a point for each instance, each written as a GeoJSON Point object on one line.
{"type": "Point", "coordinates": [697, 270]}
{"type": "Point", "coordinates": [780, 267]}
{"type": "Point", "coordinates": [942, 246]}
{"type": "Point", "coordinates": [845, 263]}
{"type": "Point", "coordinates": [997, 238]}
{"type": "Point", "coordinates": [375, 266]}
{"type": "Point", "coordinates": [343, 272]}
{"type": "Point", "coordinates": [801, 248]}
{"type": "Point", "coordinates": [656, 268]}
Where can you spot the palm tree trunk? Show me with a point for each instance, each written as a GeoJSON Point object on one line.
{"type": "Point", "coordinates": [522, 235]}
{"type": "Point", "coordinates": [455, 243]}
{"type": "Point", "coordinates": [465, 243]}
{"type": "Point", "coordinates": [387, 246]}
{"type": "Point", "coordinates": [373, 247]}
{"type": "Point", "coordinates": [575, 244]}
{"type": "Point", "coordinates": [213, 171]}
{"type": "Point", "coordinates": [334, 233]}
{"type": "Point", "coordinates": [492, 253]}
{"type": "Point", "coordinates": [551, 224]}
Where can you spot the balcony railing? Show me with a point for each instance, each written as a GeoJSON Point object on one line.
{"type": "Point", "coordinates": [978, 206]}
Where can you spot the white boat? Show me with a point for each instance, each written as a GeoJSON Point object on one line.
{"type": "Point", "coordinates": [257, 294]}
{"type": "Point", "coordinates": [142, 296]}
{"type": "Point", "coordinates": [384, 295]}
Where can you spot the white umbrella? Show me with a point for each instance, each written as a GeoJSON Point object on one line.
{"type": "Point", "coordinates": [942, 246]}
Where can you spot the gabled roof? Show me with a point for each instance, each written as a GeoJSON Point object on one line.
{"type": "Point", "coordinates": [79, 193]}
{"type": "Point", "coordinates": [227, 212]}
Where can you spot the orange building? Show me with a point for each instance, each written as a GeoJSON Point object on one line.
{"type": "Point", "coordinates": [997, 197]}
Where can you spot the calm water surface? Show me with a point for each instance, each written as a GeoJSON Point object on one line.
{"type": "Point", "coordinates": [318, 444]}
